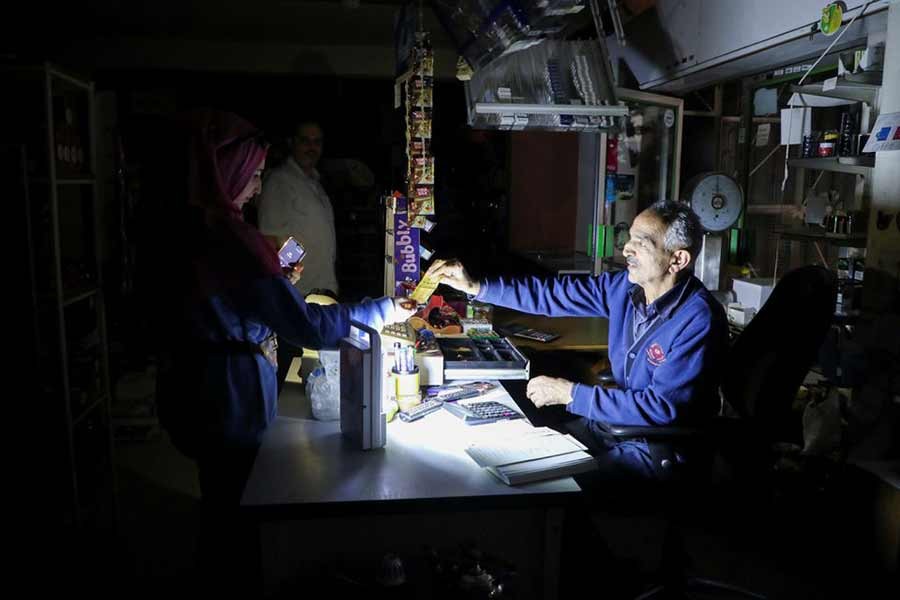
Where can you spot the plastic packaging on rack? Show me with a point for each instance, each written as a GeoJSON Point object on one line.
{"type": "Point", "coordinates": [323, 386]}
{"type": "Point", "coordinates": [550, 72]}
{"type": "Point", "coordinates": [487, 29]}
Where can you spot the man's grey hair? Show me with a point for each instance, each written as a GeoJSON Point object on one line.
{"type": "Point", "coordinates": [683, 229]}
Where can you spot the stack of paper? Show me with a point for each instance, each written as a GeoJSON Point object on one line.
{"type": "Point", "coordinates": [535, 456]}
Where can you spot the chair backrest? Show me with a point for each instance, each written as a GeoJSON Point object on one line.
{"type": "Point", "coordinates": [771, 357]}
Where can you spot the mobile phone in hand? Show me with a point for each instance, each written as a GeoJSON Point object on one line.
{"type": "Point", "coordinates": [291, 253]}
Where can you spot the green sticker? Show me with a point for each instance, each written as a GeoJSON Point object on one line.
{"type": "Point", "coordinates": [832, 16]}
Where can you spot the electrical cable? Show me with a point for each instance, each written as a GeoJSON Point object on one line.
{"type": "Point", "coordinates": [802, 79]}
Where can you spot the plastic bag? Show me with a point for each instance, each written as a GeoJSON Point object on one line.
{"type": "Point", "coordinates": [822, 425]}
{"type": "Point", "coordinates": [323, 386]}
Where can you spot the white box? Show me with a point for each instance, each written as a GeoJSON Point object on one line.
{"type": "Point", "coordinates": [753, 292]}
{"type": "Point", "coordinates": [431, 367]}
{"type": "Point", "coordinates": [740, 314]}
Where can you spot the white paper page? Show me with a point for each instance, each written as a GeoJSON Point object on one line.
{"type": "Point", "coordinates": [490, 433]}
{"type": "Point", "coordinates": [797, 122]}
{"type": "Point", "coordinates": [529, 447]}
{"type": "Point", "coordinates": [762, 134]}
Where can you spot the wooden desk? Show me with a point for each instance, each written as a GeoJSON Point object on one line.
{"type": "Point", "coordinates": [587, 334]}
{"type": "Point", "coordinates": [318, 499]}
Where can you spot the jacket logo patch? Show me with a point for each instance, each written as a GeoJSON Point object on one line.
{"type": "Point", "coordinates": [655, 355]}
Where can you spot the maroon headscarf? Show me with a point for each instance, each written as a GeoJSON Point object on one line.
{"type": "Point", "coordinates": [226, 150]}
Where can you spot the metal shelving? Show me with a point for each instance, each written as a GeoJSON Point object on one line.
{"type": "Point", "coordinates": [72, 297]}
{"type": "Point", "coordinates": [97, 402]}
{"type": "Point", "coordinates": [853, 240]}
{"type": "Point", "coordinates": [51, 114]}
{"type": "Point", "coordinates": [843, 89]}
{"type": "Point", "coordinates": [61, 181]}
{"type": "Point", "coordinates": [857, 165]}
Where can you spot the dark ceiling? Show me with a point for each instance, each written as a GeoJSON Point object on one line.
{"type": "Point", "coordinates": [304, 22]}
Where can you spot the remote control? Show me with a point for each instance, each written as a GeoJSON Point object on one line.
{"type": "Point", "coordinates": [420, 410]}
{"type": "Point", "coordinates": [459, 395]}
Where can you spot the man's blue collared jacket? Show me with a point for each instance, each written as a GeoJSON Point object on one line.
{"type": "Point", "coordinates": [668, 376]}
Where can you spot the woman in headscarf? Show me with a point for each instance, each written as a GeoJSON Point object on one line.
{"type": "Point", "coordinates": [217, 381]}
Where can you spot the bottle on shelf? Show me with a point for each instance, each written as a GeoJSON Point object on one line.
{"type": "Point", "coordinates": [61, 137]}
{"type": "Point", "coordinates": [846, 140]}
{"type": "Point", "coordinates": [859, 268]}
{"type": "Point", "coordinates": [76, 151]}
{"type": "Point", "coordinates": [843, 268]}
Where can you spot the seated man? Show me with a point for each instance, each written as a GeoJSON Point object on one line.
{"type": "Point", "coordinates": [667, 336]}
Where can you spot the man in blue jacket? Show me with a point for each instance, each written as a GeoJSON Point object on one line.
{"type": "Point", "coordinates": [667, 335]}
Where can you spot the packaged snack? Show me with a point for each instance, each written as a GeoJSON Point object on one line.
{"type": "Point", "coordinates": [423, 171]}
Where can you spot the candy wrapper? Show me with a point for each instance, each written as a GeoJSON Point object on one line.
{"type": "Point", "coordinates": [422, 207]}
{"type": "Point", "coordinates": [420, 222]}
{"type": "Point", "coordinates": [423, 171]}
{"type": "Point", "coordinates": [420, 147]}
{"type": "Point", "coordinates": [420, 119]}
{"type": "Point", "coordinates": [422, 97]}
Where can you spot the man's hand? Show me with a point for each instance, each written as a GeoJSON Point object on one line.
{"type": "Point", "coordinates": [404, 308]}
{"type": "Point", "coordinates": [545, 391]}
{"type": "Point", "coordinates": [294, 274]}
{"type": "Point", "coordinates": [452, 273]}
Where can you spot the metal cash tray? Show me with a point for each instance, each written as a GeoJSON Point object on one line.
{"type": "Point", "coordinates": [482, 358]}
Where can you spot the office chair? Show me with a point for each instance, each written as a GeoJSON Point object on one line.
{"type": "Point", "coordinates": [764, 370]}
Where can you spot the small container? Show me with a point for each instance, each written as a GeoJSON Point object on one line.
{"type": "Point", "coordinates": [809, 146]}
{"type": "Point", "coordinates": [843, 268]}
{"type": "Point", "coordinates": [479, 310]}
{"type": "Point", "coordinates": [840, 224]}
{"type": "Point", "coordinates": [859, 269]}
{"type": "Point", "coordinates": [406, 388]}
{"type": "Point", "coordinates": [826, 149]}
{"type": "Point", "coordinates": [846, 145]}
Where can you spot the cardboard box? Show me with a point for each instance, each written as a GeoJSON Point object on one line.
{"type": "Point", "coordinates": [739, 314]}
{"type": "Point", "coordinates": [752, 292]}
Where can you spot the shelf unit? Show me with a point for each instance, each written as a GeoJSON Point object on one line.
{"type": "Point", "coordinates": [852, 88]}
{"type": "Point", "coordinates": [49, 115]}
{"type": "Point", "coordinates": [843, 90]}
{"type": "Point", "coordinates": [856, 165]}
{"type": "Point", "coordinates": [848, 248]}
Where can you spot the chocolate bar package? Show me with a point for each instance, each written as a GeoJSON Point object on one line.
{"type": "Point", "coordinates": [420, 147]}
{"type": "Point", "coordinates": [419, 83]}
{"type": "Point", "coordinates": [420, 222]}
{"type": "Point", "coordinates": [423, 171]}
{"type": "Point", "coordinates": [406, 252]}
{"type": "Point", "coordinates": [421, 193]}
{"type": "Point", "coordinates": [422, 97]}
{"type": "Point", "coordinates": [421, 129]}
{"type": "Point", "coordinates": [422, 207]}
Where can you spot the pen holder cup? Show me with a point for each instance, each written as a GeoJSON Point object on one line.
{"type": "Point", "coordinates": [406, 387]}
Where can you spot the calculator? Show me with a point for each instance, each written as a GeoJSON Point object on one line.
{"type": "Point", "coordinates": [401, 331]}
{"type": "Point", "coordinates": [527, 332]}
{"type": "Point", "coordinates": [538, 336]}
{"type": "Point", "coordinates": [420, 410]}
{"type": "Point", "coordinates": [477, 413]}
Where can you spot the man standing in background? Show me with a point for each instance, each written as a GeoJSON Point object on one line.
{"type": "Point", "coordinates": [294, 203]}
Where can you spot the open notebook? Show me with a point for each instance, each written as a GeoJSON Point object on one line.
{"type": "Point", "coordinates": [534, 456]}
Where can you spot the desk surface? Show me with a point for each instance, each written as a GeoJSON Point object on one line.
{"type": "Point", "coordinates": [307, 462]}
{"type": "Point", "coordinates": [576, 333]}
